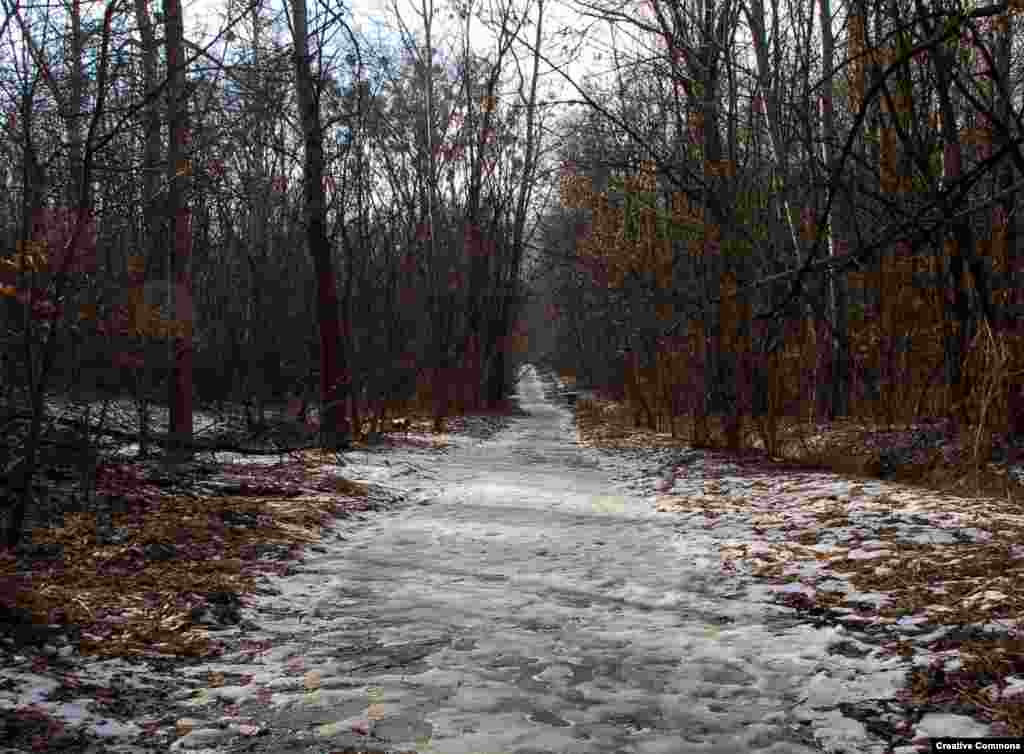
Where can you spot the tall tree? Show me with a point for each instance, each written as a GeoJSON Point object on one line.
{"type": "Point", "coordinates": [837, 377]}
{"type": "Point", "coordinates": [149, 200]}
{"type": "Point", "coordinates": [1007, 231]}
{"type": "Point", "coordinates": [334, 372]}
{"type": "Point", "coordinates": [179, 214]}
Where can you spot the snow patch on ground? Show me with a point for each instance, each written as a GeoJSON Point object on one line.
{"type": "Point", "coordinates": [553, 597]}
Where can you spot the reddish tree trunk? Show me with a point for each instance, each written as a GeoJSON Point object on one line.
{"type": "Point", "coordinates": [179, 168]}
{"type": "Point", "coordinates": [334, 374]}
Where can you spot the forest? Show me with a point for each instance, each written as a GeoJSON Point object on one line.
{"type": "Point", "coordinates": [763, 216]}
{"type": "Point", "coordinates": [757, 218]}
{"type": "Point", "coordinates": [783, 227]}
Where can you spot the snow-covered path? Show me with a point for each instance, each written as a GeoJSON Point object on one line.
{"type": "Point", "coordinates": [529, 598]}
{"type": "Point", "coordinates": [535, 606]}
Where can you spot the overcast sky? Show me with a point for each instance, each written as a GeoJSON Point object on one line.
{"type": "Point", "coordinates": [375, 19]}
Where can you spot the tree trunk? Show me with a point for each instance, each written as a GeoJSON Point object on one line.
{"type": "Point", "coordinates": [334, 373]}
{"type": "Point", "coordinates": [150, 183]}
{"type": "Point", "coordinates": [1009, 236]}
{"type": "Point", "coordinates": [838, 352]}
{"type": "Point", "coordinates": [73, 118]}
{"type": "Point", "coordinates": [180, 216]}
{"type": "Point", "coordinates": [957, 313]}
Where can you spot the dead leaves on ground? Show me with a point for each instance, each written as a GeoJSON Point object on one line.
{"type": "Point", "coordinates": [138, 595]}
{"type": "Point", "coordinates": [960, 585]}
{"type": "Point", "coordinates": [954, 585]}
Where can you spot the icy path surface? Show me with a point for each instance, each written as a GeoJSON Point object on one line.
{"type": "Point", "coordinates": [537, 606]}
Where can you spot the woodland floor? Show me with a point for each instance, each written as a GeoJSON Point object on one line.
{"type": "Point", "coordinates": [906, 584]}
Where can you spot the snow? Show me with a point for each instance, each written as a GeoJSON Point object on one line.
{"type": "Point", "coordinates": [936, 725]}
{"type": "Point", "coordinates": [627, 579]}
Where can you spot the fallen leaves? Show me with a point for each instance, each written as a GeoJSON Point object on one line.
{"type": "Point", "coordinates": [936, 557]}
{"type": "Point", "coordinates": [159, 590]}
{"type": "Point", "coordinates": [361, 727]}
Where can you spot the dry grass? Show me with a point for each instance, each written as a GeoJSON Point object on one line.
{"type": "Point", "coordinates": [971, 454]}
{"type": "Point", "coordinates": [969, 463]}
{"type": "Point", "coordinates": [950, 464]}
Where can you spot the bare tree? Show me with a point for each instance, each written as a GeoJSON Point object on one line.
{"type": "Point", "coordinates": [151, 225]}
{"type": "Point", "coordinates": [334, 371]}
{"type": "Point", "coordinates": [180, 219]}
{"type": "Point", "coordinates": [840, 350]}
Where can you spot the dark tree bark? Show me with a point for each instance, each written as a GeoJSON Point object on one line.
{"type": "Point", "coordinates": [334, 373]}
{"type": "Point", "coordinates": [180, 217]}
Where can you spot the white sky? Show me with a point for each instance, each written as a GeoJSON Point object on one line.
{"type": "Point", "coordinates": [206, 16]}
{"type": "Point", "coordinates": [373, 18]}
